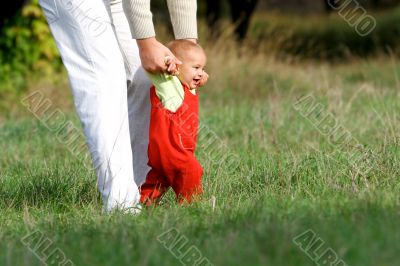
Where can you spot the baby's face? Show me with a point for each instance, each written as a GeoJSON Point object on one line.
{"type": "Point", "coordinates": [192, 69]}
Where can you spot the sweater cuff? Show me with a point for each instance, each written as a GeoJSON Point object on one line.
{"type": "Point", "coordinates": [140, 18]}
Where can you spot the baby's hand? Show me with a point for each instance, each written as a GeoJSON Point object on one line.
{"type": "Point", "coordinates": [204, 79]}
{"type": "Point", "coordinates": [172, 67]}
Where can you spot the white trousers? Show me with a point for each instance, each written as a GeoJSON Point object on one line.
{"type": "Point", "coordinates": [110, 90]}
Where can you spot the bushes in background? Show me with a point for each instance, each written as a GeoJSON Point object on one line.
{"type": "Point", "coordinates": [26, 47]}
{"type": "Point", "coordinates": [326, 37]}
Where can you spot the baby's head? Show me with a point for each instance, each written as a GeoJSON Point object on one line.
{"type": "Point", "coordinates": [193, 60]}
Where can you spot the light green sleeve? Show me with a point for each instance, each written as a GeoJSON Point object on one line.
{"type": "Point", "coordinates": [169, 90]}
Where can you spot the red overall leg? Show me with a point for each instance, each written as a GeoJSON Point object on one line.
{"type": "Point", "coordinates": [187, 183]}
{"type": "Point", "coordinates": [153, 188]}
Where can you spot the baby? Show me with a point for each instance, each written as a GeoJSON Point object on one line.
{"type": "Point", "coordinates": [173, 128]}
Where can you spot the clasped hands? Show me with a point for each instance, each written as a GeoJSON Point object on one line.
{"type": "Point", "coordinates": [156, 58]}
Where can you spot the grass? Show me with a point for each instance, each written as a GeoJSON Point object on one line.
{"type": "Point", "coordinates": [289, 179]}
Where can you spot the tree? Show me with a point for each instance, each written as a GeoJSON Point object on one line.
{"type": "Point", "coordinates": [241, 11]}
{"type": "Point", "coordinates": [213, 16]}
{"type": "Point", "coordinates": [240, 14]}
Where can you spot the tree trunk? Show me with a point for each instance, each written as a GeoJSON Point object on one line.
{"type": "Point", "coordinates": [241, 11]}
{"type": "Point", "coordinates": [213, 16]}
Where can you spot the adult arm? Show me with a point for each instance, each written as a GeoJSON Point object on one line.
{"type": "Point", "coordinates": [152, 52]}
{"type": "Point", "coordinates": [182, 13]}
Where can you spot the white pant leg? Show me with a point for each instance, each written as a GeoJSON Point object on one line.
{"type": "Point", "coordinates": [91, 55]}
{"type": "Point", "coordinates": [139, 122]}
{"type": "Point", "coordinates": [138, 92]}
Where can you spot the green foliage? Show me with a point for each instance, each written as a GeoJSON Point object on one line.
{"type": "Point", "coordinates": [26, 47]}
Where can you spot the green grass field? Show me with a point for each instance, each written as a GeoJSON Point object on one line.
{"type": "Point", "coordinates": [290, 177]}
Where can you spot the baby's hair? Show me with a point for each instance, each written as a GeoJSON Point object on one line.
{"type": "Point", "coordinates": [180, 47]}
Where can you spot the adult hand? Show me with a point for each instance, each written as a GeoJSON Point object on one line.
{"type": "Point", "coordinates": [156, 58]}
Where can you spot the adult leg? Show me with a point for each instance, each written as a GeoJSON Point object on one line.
{"type": "Point", "coordinates": [90, 52]}
{"type": "Point", "coordinates": [138, 92]}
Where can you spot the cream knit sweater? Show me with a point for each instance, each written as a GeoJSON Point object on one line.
{"type": "Point", "coordinates": [182, 12]}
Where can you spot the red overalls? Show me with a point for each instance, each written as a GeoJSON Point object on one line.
{"type": "Point", "coordinates": [172, 141]}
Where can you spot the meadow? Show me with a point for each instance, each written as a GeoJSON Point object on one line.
{"type": "Point", "coordinates": [294, 196]}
